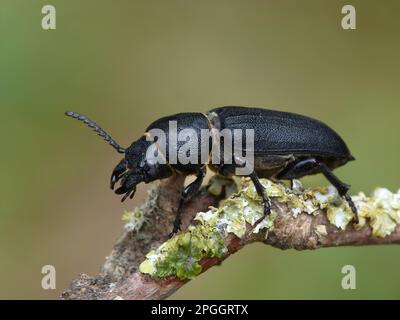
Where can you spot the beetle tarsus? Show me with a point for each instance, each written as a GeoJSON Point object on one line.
{"type": "Point", "coordinates": [341, 187]}
{"type": "Point", "coordinates": [352, 207]}
{"type": "Point", "coordinates": [175, 230]}
{"type": "Point", "coordinates": [267, 211]}
{"type": "Point", "coordinates": [177, 222]}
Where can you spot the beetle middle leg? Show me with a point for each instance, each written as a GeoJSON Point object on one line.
{"type": "Point", "coordinates": [239, 162]}
{"type": "Point", "coordinates": [261, 192]}
{"type": "Point", "coordinates": [186, 194]}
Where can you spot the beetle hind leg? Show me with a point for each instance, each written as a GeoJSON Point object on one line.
{"type": "Point", "coordinates": [341, 187]}
{"type": "Point", "coordinates": [308, 166]}
{"type": "Point", "coordinates": [351, 205]}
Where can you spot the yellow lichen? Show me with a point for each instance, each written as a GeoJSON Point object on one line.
{"type": "Point", "coordinates": [340, 216]}
{"type": "Point", "coordinates": [181, 255]}
{"type": "Point", "coordinates": [381, 210]}
{"type": "Point", "coordinates": [133, 220]}
{"type": "Point", "coordinates": [219, 184]}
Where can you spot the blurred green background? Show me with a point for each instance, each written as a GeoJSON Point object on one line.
{"type": "Point", "coordinates": [126, 63]}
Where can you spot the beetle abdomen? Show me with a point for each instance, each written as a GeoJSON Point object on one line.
{"type": "Point", "coordinates": [277, 132]}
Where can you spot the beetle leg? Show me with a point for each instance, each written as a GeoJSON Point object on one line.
{"type": "Point", "coordinates": [186, 194]}
{"type": "Point", "coordinates": [299, 169]}
{"type": "Point", "coordinates": [261, 192]}
{"type": "Point", "coordinates": [341, 187]}
{"type": "Point", "coordinates": [239, 162]}
{"type": "Point", "coordinates": [306, 166]}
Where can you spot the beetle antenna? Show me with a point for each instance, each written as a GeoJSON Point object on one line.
{"type": "Point", "coordinates": [96, 128]}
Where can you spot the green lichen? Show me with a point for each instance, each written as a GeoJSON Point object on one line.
{"type": "Point", "coordinates": [134, 220]}
{"type": "Point", "coordinates": [219, 184]}
{"type": "Point", "coordinates": [180, 256]}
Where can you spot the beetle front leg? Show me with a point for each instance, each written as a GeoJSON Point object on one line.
{"type": "Point", "coordinates": [187, 193]}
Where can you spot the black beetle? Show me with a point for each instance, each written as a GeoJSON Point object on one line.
{"type": "Point", "coordinates": [286, 146]}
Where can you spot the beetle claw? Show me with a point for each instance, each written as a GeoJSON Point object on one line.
{"type": "Point", "coordinates": [352, 207]}
{"type": "Point", "coordinates": [174, 232]}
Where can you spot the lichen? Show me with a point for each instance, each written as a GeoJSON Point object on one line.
{"type": "Point", "coordinates": [381, 210]}
{"type": "Point", "coordinates": [181, 256]}
{"type": "Point", "coordinates": [219, 184]}
{"type": "Point", "coordinates": [134, 220]}
{"type": "Point", "coordinates": [340, 216]}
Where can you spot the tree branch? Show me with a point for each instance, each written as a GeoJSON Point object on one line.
{"type": "Point", "coordinates": [300, 219]}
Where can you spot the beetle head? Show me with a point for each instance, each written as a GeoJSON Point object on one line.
{"type": "Point", "coordinates": [129, 171]}
{"type": "Point", "coordinates": [136, 168]}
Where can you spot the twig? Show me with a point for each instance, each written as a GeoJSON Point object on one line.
{"type": "Point", "coordinates": [121, 278]}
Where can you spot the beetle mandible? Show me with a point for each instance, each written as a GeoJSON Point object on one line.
{"type": "Point", "coordinates": [286, 146]}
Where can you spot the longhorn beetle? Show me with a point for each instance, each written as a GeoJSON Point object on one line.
{"type": "Point", "coordinates": [286, 146]}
